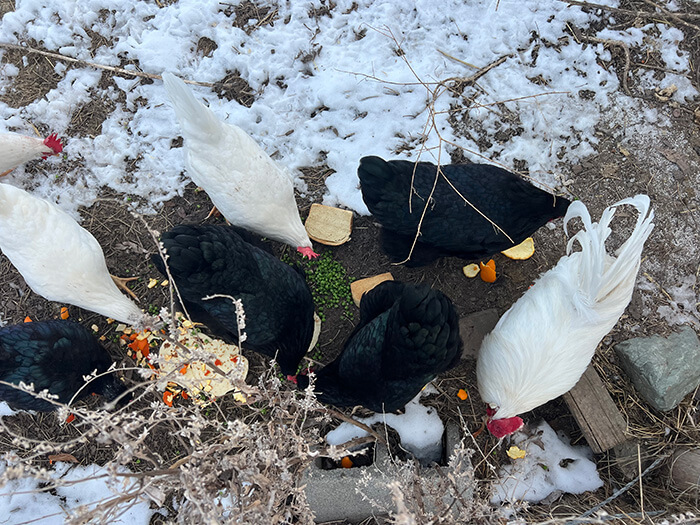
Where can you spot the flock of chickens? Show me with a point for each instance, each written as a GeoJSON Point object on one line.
{"type": "Point", "coordinates": [407, 334]}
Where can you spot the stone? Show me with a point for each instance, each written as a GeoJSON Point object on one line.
{"type": "Point", "coordinates": [684, 471]}
{"type": "Point", "coordinates": [663, 370]}
{"type": "Point", "coordinates": [473, 328]}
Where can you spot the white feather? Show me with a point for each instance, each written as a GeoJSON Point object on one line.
{"type": "Point", "coordinates": [542, 345]}
{"type": "Point", "coordinates": [59, 259]}
{"type": "Point", "coordinates": [18, 149]}
{"type": "Point", "coordinates": [244, 183]}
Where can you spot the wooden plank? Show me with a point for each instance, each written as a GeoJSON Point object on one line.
{"type": "Point", "coordinates": [601, 422]}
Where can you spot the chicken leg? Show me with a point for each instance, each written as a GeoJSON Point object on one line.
{"type": "Point", "coordinates": [121, 283]}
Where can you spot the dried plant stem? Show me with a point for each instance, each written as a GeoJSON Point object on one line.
{"type": "Point", "coordinates": [339, 415]}
{"type": "Point", "coordinates": [431, 125]}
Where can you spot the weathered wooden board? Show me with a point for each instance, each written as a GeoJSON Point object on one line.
{"type": "Point", "coordinates": [601, 422]}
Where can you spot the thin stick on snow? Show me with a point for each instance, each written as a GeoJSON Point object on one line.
{"type": "Point", "coordinates": [113, 69]}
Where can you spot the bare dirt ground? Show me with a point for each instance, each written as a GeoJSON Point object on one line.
{"type": "Point", "coordinates": [630, 159]}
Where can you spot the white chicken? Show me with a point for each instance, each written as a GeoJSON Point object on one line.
{"type": "Point", "coordinates": [59, 259]}
{"type": "Point", "coordinates": [249, 188]}
{"type": "Point", "coordinates": [17, 149]}
{"type": "Point", "coordinates": [542, 345]}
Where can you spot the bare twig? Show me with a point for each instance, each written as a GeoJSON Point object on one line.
{"type": "Point", "coordinates": [641, 14]}
{"type": "Point", "coordinates": [347, 419]}
{"type": "Point", "coordinates": [580, 37]}
{"type": "Point", "coordinates": [672, 16]}
{"type": "Point", "coordinates": [113, 69]}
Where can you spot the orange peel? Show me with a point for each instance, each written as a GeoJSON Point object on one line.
{"type": "Point", "coordinates": [488, 271]}
{"type": "Point", "coordinates": [521, 251]}
{"type": "Point", "coordinates": [471, 270]}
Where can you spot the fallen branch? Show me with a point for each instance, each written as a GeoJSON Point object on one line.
{"type": "Point", "coordinates": [113, 69]}
{"type": "Point", "coordinates": [672, 16]}
{"type": "Point", "coordinates": [642, 14]}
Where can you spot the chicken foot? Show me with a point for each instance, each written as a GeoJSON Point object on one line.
{"type": "Point", "coordinates": [121, 283]}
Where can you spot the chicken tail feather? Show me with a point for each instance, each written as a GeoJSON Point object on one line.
{"type": "Point", "coordinates": [601, 275]}
{"type": "Point", "coordinates": [195, 118]}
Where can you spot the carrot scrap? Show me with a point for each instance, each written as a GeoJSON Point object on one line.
{"type": "Point", "coordinates": [462, 394]}
{"type": "Point", "coordinates": [183, 370]}
{"type": "Point", "coordinates": [346, 462]}
{"type": "Point", "coordinates": [168, 398]}
{"type": "Point", "coordinates": [64, 312]}
{"type": "Point", "coordinates": [27, 319]}
{"type": "Point", "coordinates": [184, 395]}
{"type": "Point", "coordinates": [488, 271]}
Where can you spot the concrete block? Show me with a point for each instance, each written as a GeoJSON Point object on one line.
{"type": "Point", "coordinates": [335, 495]}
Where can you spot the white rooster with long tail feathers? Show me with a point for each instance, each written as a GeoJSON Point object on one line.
{"type": "Point", "coordinates": [58, 258]}
{"type": "Point", "coordinates": [542, 345]}
{"type": "Point", "coordinates": [243, 182]}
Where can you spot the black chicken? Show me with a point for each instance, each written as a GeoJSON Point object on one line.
{"type": "Point", "coordinates": [451, 227]}
{"type": "Point", "coordinates": [53, 355]}
{"type": "Point", "coordinates": [279, 309]}
{"type": "Point", "coordinates": [407, 335]}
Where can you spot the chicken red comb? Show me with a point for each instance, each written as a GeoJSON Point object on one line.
{"type": "Point", "coordinates": [53, 142]}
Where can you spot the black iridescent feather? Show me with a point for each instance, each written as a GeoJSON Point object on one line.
{"type": "Point", "coordinates": [53, 355]}
{"type": "Point", "coordinates": [279, 309]}
{"type": "Point", "coordinates": [451, 227]}
{"type": "Point", "coordinates": [406, 336]}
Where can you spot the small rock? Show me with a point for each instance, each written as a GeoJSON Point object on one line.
{"type": "Point", "coordinates": [473, 328]}
{"type": "Point", "coordinates": [663, 371]}
{"type": "Point", "coordinates": [684, 470]}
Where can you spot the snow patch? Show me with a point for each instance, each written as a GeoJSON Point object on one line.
{"type": "Point", "coordinates": [420, 429]}
{"type": "Point", "coordinates": [551, 464]}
